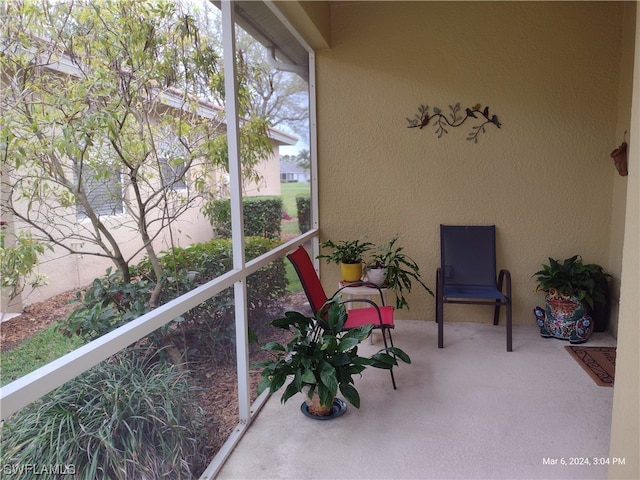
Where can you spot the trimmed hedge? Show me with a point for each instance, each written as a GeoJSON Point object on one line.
{"type": "Point", "coordinates": [205, 261]}
{"type": "Point", "coordinates": [303, 205]}
{"type": "Point", "coordinates": [262, 216]}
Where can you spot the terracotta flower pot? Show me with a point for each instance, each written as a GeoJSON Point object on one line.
{"type": "Point", "coordinates": [619, 156]}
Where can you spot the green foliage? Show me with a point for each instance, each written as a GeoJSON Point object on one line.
{"type": "Point", "coordinates": [345, 251]}
{"type": "Point", "coordinates": [132, 416]}
{"type": "Point", "coordinates": [107, 304]}
{"type": "Point", "coordinates": [321, 356]}
{"type": "Point", "coordinates": [111, 302]}
{"type": "Point", "coordinates": [402, 270]}
{"type": "Point", "coordinates": [255, 147]}
{"type": "Point", "coordinates": [262, 216]}
{"type": "Point", "coordinates": [573, 277]}
{"type": "Point", "coordinates": [107, 97]}
{"type": "Point", "coordinates": [18, 262]}
{"type": "Point", "coordinates": [303, 207]}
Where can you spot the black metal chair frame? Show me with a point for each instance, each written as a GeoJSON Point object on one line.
{"type": "Point", "coordinates": [501, 298]}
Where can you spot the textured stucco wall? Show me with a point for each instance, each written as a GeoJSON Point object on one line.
{"type": "Point", "coordinates": [549, 70]}
{"type": "Point", "coordinates": [625, 423]}
{"type": "Point", "coordinates": [622, 134]}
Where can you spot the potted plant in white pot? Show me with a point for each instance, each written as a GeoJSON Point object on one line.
{"type": "Point", "coordinates": [400, 270]}
{"type": "Point", "coordinates": [574, 291]}
{"type": "Point", "coordinates": [349, 255]}
{"type": "Point", "coordinates": [321, 359]}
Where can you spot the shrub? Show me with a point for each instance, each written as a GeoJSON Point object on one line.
{"type": "Point", "coordinates": [130, 417]}
{"type": "Point", "coordinates": [262, 216]}
{"type": "Point", "coordinates": [206, 329]}
{"type": "Point", "coordinates": [209, 328]}
{"type": "Point", "coordinates": [303, 206]}
{"type": "Point", "coordinates": [107, 304]}
{"type": "Point", "coordinates": [187, 268]}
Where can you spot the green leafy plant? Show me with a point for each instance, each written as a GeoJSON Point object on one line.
{"type": "Point", "coordinates": [321, 356]}
{"type": "Point", "coordinates": [205, 330]}
{"type": "Point", "coordinates": [18, 263]}
{"type": "Point", "coordinates": [107, 304]}
{"type": "Point", "coordinates": [345, 251]}
{"type": "Point", "coordinates": [572, 277]}
{"type": "Point", "coordinates": [401, 270]}
{"type": "Point", "coordinates": [133, 416]}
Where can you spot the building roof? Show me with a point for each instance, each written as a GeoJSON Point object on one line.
{"type": "Point", "coordinates": [288, 167]}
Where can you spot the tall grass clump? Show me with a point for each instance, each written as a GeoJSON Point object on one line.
{"type": "Point", "coordinates": [131, 416]}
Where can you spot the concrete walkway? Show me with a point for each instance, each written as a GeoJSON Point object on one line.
{"type": "Point", "coordinates": [468, 411]}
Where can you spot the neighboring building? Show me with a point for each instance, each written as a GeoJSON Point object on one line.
{"type": "Point", "coordinates": [290, 172]}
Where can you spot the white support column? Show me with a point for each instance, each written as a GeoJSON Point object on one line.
{"type": "Point", "coordinates": [237, 224]}
{"type": "Point", "coordinates": [313, 147]}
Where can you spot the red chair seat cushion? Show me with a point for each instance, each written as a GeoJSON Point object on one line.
{"type": "Point", "coordinates": [364, 316]}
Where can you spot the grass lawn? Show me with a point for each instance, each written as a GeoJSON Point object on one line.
{"type": "Point", "coordinates": [293, 281]}
{"type": "Point", "coordinates": [34, 352]}
{"type": "Point", "coordinates": [288, 191]}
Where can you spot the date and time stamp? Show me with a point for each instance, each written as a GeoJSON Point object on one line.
{"type": "Point", "coordinates": [583, 461]}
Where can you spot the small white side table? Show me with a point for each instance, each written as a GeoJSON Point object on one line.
{"type": "Point", "coordinates": [363, 291]}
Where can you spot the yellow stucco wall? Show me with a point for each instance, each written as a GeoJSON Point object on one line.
{"type": "Point", "coordinates": [549, 71]}
{"type": "Point", "coordinates": [559, 77]}
{"type": "Point", "coordinates": [625, 424]}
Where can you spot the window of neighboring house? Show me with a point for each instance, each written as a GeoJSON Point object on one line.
{"type": "Point", "coordinates": [104, 192]}
{"type": "Point", "coordinates": [171, 156]}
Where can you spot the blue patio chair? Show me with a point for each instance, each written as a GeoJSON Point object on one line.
{"type": "Point", "coordinates": [467, 274]}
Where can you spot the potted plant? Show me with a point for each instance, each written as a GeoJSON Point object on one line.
{"type": "Point", "coordinates": [574, 290]}
{"type": "Point", "coordinates": [321, 359]}
{"type": "Point", "coordinates": [400, 270]}
{"type": "Point", "coordinates": [349, 255]}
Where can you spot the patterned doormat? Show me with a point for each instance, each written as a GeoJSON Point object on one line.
{"type": "Point", "coordinates": [598, 362]}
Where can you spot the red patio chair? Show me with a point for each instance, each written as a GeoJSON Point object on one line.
{"type": "Point", "coordinates": [380, 316]}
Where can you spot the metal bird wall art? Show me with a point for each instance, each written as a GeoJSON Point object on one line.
{"type": "Point", "coordinates": [456, 118]}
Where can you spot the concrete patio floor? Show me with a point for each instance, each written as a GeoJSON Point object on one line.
{"type": "Point", "coordinates": [468, 411]}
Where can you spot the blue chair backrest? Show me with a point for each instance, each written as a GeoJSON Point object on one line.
{"type": "Point", "coordinates": [468, 255]}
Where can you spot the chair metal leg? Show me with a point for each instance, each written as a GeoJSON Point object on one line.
{"type": "Point", "coordinates": [439, 308]}
{"type": "Point", "coordinates": [439, 319]}
{"type": "Point", "coordinates": [509, 329]}
{"type": "Point", "coordinates": [386, 346]}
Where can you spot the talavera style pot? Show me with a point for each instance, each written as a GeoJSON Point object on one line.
{"type": "Point", "coordinates": [564, 317]}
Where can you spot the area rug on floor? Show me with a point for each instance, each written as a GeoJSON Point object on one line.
{"type": "Point", "coordinates": [598, 362]}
